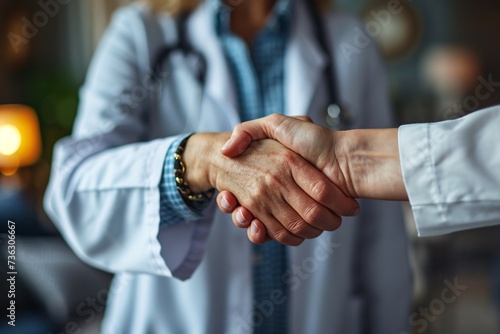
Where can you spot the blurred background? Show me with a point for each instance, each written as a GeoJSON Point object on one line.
{"type": "Point", "coordinates": [442, 59]}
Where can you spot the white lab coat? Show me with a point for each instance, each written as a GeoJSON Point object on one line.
{"type": "Point", "coordinates": [452, 172]}
{"type": "Point", "coordinates": [196, 277]}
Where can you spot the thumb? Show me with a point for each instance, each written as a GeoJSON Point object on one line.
{"type": "Point", "coordinates": [304, 118]}
{"type": "Point", "coordinates": [244, 133]}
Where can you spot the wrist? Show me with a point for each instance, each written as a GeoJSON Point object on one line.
{"type": "Point", "coordinates": [369, 160]}
{"type": "Point", "coordinates": [199, 154]}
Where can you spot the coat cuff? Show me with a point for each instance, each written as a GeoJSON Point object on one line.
{"type": "Point", "coordinates": [420, 179]}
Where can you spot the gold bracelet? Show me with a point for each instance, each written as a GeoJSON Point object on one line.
{"type": "Point", "coordinates": [196, 201]}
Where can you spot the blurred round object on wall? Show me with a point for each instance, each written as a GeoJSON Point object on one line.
{"type": "Point", "coordinates": [396, 26]}
{"type": "Point", "coordinates": [451, 70]}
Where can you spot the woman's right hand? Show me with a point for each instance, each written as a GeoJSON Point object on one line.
{"type": "Point", "coordinates": [286, 192]}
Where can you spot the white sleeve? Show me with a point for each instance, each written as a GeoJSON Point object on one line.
{"type": "Point", "coordinates": [104, 188]}
{"type": "Point", "coordinates": [451, 171]}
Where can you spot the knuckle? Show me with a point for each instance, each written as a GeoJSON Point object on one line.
{"type": "Point", "coordinates": [260, 192]}
{"type": "Point", "coordinates": [282, 236]}
{"type": "Point", "coordinates": [313, 214]}
{"type": "Point", "coordinates": [275, 119]}
{"type": "Point", "coordinates": [290, 157]}
{"type": "Point", "coordinates": [238, 130]}
{"type": "Point", "coordinates": [273, 180]}
{"type": "Point", "coordinates": [298, 227]}
{"type": "Point", "coordinates": [238, 127]}
{"type": "Point", "coordinates": [320, 190]}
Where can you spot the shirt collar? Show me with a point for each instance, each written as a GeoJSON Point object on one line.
{"type": "Point", "coordinates": [278, 22]}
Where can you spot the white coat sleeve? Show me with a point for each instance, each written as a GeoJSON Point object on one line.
{"type": "Point", "coordinates": [451, 171]}
{"type": "Point", "coordinates": [103, 193]}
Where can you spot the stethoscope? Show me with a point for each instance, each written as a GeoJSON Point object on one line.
{"type": "Point", "coordinates": [336, 116]}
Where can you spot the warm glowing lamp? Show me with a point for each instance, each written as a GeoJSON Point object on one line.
{"type": "Point", "coordinates": [20, 142]}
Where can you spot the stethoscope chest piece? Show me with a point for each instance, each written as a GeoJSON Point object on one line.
{"type": "Point", "coordinates": [338, 118]}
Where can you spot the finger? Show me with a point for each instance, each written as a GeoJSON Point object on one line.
{"type": "Point", "coordinates": [316, 185]}
{"type": "Point", "coordinates": [290, 219]}
{"type": "Point", "coordinates": [294, 133]}
{"type": "Point", "coordinates": [276, 231]}
{"type": "Point", "coordinates": [257, 232]}
{"type": "Point", "coordinates": [315, 218]}
{"type": "Point", "coordinates": [244, 133]}
{"type": "Point", "coordinates": [242, 217]}
{"type": "Point", "coordinates": [226, 201]}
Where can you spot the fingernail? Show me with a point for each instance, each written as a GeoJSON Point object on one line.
{"type": "Point", "coordinates": [254, 229]}
{"type": "Point", "coordinates": [226, 145]}
{"type": "Point", "coordinates": [225, 204]}
{"type": "Point", "coordinates": [240, 219]}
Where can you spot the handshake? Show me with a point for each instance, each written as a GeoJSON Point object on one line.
{"type": "Point", "coordinates": [317, 183]}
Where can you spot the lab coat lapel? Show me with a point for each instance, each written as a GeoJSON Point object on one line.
{"type": "Point", "coordinates": [304, 64]}
{"type": "Point", "coordinates": [219, 105]}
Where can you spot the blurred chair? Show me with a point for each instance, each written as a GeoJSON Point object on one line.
{"type": "Point", "coordinates": [58, 281]}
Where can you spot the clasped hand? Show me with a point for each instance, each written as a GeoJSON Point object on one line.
{"type": "Point", "coordinates": [327, 185]}
{"type": "Point", "coordinates": [290, 196]}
